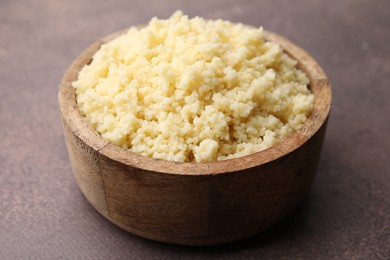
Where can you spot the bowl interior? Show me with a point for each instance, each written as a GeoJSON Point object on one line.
{"type": "Point", "coordinates": [319, 85]}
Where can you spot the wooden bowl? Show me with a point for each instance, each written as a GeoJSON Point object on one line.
{"type": "Point", "coordinates": [195, 203]}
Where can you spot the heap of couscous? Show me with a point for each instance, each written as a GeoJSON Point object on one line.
{"type": "Point", "coordinates": [193, 90]}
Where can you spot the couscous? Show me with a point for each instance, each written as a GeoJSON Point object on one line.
{"type": "Point", "coordinates": [185, 90]}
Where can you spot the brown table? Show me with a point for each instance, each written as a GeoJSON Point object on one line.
{"type": "Point", "coordinates": [346, 215]}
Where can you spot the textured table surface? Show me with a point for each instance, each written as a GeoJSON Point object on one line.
{"type": "Point", "coordinates": [346, 215]}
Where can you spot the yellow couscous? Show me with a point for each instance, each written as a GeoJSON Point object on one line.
{"type": "Point", "coordinates": [193, 90]}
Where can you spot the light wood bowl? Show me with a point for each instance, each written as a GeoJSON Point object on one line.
{"type": "Point", "coordinates": [195, 203]}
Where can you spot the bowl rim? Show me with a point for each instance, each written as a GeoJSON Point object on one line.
{"type": "Point", "coordinates": [319, 85]}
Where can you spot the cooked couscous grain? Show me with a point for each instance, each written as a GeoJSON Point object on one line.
{"type": "Point", "coordinates": [193, 90]}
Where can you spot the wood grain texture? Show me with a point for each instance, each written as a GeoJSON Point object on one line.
{"type": "Point", "coordinates": [196, 203]}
